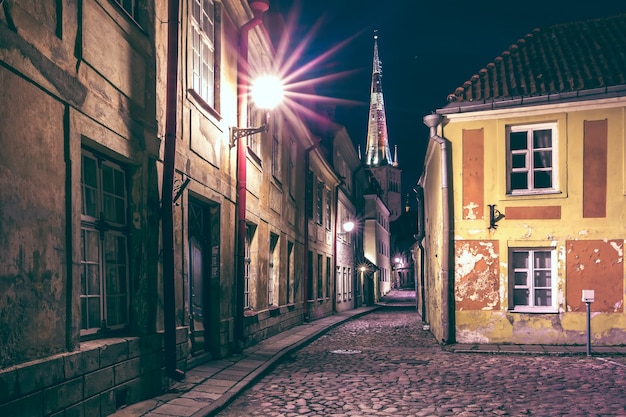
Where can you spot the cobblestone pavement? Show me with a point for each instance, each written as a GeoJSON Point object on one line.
{"type": "Point", "coordinates": [384, 364]}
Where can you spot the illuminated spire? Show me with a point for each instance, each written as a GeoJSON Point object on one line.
{"type": "Point", "coordinates": [378, 152]}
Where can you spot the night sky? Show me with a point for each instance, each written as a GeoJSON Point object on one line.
{"type": "Point", "coordinates": [427, 49]}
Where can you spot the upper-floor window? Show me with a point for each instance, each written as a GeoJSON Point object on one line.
{"type": "Point", "coordinates": [319, 198]}
{"type": "Point", "coordinates": [532, 286]}
{"type": "Point", "coordinates": [310, 203]}
{"type": "Point", "coordinates": [104, 280]}
{"type": "Point", "coordinates": [291, 167]}
{"type": "Point", "coordinates": [130, 7]}
{"type": "Point", "coordinates": [203, 46]}
{"type": "Point", "coordinates": [531, 159]}
{"type": "Point", "coordinates": [327, 209]}
{"type": "Point", "coordinates": [276, 165]}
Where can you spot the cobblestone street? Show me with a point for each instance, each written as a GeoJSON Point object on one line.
{"type": "Point", "coordinates": [384, 364]}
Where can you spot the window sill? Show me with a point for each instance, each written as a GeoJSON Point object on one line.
{"type": "Point", "coordinates": [204, 105]}
{"type": "Point", "coordinates": [534, 310]}
{"type": "Point", "coordinates": [534, 193]}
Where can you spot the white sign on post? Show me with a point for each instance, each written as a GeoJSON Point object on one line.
{"type": "Point", "coordinates": [588, 296]}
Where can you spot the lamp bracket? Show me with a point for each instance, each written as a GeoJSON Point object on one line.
{"type": "Point", "coordinates": [494, 216]}
{"type": "Point", "coordinates": [237, 133]}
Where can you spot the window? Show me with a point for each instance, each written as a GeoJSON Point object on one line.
{"type": "Point", "coordinates": [328, 273]}
{"type": "Point", "coordinates": [130, 7]}
{"type": "Point", "coordinates": [291, 167]}
{"type": "Point", "coordinates": [327, 210]}
{"type": "Point", "coordinates": [345, 283]}
{"type": "Point", "coordinates": [320, 277]}
{"type": "Point", "coordinates": [531, 283]}
{"type": "Point", "coordinates": [309, 284]}
{"type": "Point", "coordinates": [273, 270]}
{"type": "Point", "coordinates": [276, 171]}
{"type": "Point", "coordinates": [104, 283]}
{"type": "Point", "coordinates": [338, 283]}
{"type": "Point", "coordinates": [254, 141]}
{"type": "Point", "coordinates": [310, 181]}
{"type": "Point", "coordinates": [247, 261]}
{"type": "Point", "coordinates": [290, 265]}
{"type": "Point", "coordinates": [319, 206]}
{"type": "Point", "coordinates": [203, 46]}
{"type": "Point", "coordinates": [531, 159]}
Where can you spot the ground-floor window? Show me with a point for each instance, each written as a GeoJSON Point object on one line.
{"type": "Point", "coordinates": [532, 279]}
{"type": "Point", "coordinates": [104, 279]}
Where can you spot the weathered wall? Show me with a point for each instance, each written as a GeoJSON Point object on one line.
{"type": "Point", "coordinates": [432, 242]}
{"type": "Point", "coordinates": [33, 240]}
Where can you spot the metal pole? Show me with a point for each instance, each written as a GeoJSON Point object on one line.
{"type": "Point", "coordinates": [588, 328]}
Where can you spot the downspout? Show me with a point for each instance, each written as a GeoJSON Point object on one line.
{"type": "Point", "coordinates": [167, 204]}
{"type": "Point", "coordinates": [447, 303]}
{"type": "Point", "coordinates": [419, 191]}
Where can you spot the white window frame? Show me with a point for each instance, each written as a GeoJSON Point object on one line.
{"type": "Point", "coordinates": [530, 271]}
{"type": "Point", "coordinates": [203, 50]}
{"type": "Point", "coordinates": [108, 261]}
{"type": "Point", "coordinates": [528, 154]}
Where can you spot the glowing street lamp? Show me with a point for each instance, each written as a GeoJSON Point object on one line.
{"type": "Point", "coordinates": [267, 93]}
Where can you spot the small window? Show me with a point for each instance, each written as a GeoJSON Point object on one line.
{"type": "Point", "coordinates": [531, 159]}
{"type": "Point", "coordinates": [532, 283]}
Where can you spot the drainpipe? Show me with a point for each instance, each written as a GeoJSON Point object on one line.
{"type": "Point", "coordinates": [258, 8]}
{"type": "Point", "coordinates": [167, 204]}
{"type": "Point", "coordinates": [447, 304]}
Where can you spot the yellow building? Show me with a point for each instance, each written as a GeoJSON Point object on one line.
{"type": "Point", "coordinates": [525, 186]}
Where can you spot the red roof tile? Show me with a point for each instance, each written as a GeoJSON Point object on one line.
{"type": "Point", "coordinates": [558, 59]}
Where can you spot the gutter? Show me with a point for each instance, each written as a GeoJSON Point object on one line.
{"type": "Point", "coordinates": [447, 301]}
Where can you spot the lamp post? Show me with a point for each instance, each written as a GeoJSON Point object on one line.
{"type": "Point", "coordinates": [266, 93]}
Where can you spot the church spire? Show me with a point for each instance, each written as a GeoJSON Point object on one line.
{"type": "Point", "coordinates": [378, 151]}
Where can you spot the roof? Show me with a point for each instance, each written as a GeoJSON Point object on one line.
{"type": "Point", "coordinates": [553, 63]}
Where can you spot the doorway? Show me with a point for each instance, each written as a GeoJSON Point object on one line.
{"type": "Point", "coordinates": [204, 279]}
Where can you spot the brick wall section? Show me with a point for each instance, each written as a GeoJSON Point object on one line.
{"type": "Point", "coordinates": [93, 381]}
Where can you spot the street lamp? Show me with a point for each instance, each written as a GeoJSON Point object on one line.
{"type": "Point", "coordinates": [267, 93]}
{"type": "Point", "coordinates": [347, 226]}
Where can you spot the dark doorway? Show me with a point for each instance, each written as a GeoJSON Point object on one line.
{"type": "Point", "coordinates": [203, 302]}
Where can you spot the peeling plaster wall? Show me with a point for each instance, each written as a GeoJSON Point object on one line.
{"type": "Point", "coordinates": [476, 275]}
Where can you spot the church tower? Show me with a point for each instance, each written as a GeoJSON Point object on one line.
{"type": "Point", "coordinates": [378, 151]}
